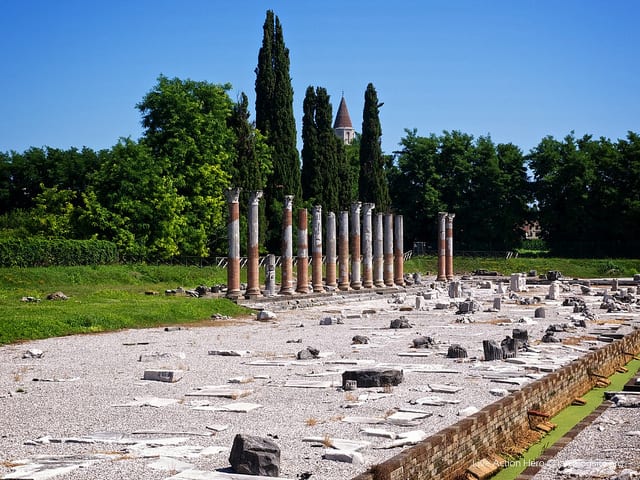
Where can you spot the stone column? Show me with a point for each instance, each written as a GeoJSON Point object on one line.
{"type": "Point", "coordinates": [387, 250]}
{"type": "Point", "coordinates": [316, 249]}
{"type": "Point", "coordinates": [253, 249]}
{"type": "Point", "coordinates": [343, 251]}
{"type": "Point", "coordinates": [398, 250]}
{"type": "Point", "coordinates": [303, 253]}
{"type": "Point", "coordinates": [356, 282]}
{"type": "Point", "coordinates": [449, 249]}
{"type": "Point", "coordinates": [378, 256]}
{"type": "Point", "coordinates": [367, 251]}
{"type": "Point", "coordinates": [442, 247]}
{"type": "Point", "coordinates": [233, 234]}
{"type": "Point", "coordinates": [331, 279]}
{"type": "Point", "coordinates": [286, 274]}
{"type": "Point", "coordinates": [270, 275]}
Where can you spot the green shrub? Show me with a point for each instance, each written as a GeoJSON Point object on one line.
{"type": "Point", "coordinates": [42, 252]}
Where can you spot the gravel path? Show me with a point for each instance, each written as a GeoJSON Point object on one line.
{"type": "Point", "coordinates": [84, 380]}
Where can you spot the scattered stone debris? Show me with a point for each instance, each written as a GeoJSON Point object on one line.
{"type": "Point", "coordinates": [401, 322]}
{"type": "Point", "coordinates": [33, 353]}
{"type": "Point", "coordinates": [169, 376]}
{"type": "Point", "coordinates": [457, 351]}
{"type": "Point", "coordinates": [265, 316]}
{"type": "Point", "coordinates": [57, 296]}
{"type": "Point", "coordinates": [331, 321]}
{"type": "Point", "coordinates": [308, 353]}
{"type": "Point", "coordinates": [360, 340]}
{"type": "Point", "coordinates": [373, 377]}
{"type": "Point", "coordinates": [423, 342]}
{"type": "Point", "coordinates": [30, 299]}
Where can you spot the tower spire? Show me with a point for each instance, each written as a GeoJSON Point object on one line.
{"type": "Point", "coordinates": [343, 127]}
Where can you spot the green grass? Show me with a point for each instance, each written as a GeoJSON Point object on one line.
{"type": "Point", "coordinates": [565, 421]}
{"type": "Point", "coordinates": [570, 267]}
{"type": "Point", "coordinates": [104, 298]}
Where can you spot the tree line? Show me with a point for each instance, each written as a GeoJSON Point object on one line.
{"type": "Point", "coordinates": [162, 196]}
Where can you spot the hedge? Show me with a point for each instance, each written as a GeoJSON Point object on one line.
{"type": "Point", "coordinates": [42, 252]}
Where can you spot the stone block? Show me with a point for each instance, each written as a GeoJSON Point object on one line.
{"type": "Point", "coordinates": [252, 455]}
{"type": "Point", "coordinates": [169, 376]}
{"type": "Point", "coordinates": [366, 378]}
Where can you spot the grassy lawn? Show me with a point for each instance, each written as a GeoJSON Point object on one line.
{"type": "Point", "coordinates": [104, 298]}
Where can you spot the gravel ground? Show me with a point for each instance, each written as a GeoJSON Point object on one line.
{"type": "Point", "coordinates": [95, 373]}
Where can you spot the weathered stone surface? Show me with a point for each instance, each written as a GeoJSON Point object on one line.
{"type": "Point", "coordinates": [372, 377]}
{"type": "Point", "coordinates": [521, 336]}
{"type": "Point", "coordinates": [492, 351]}
{"type": "Point", "coordinates": [423, 342]}
{"type": "Point", "coordinates": [308, 353]}
{"type": "Point", "coordinates": [540, 312]}
{"type": "Point", "coordinates": [252, 455]}
{"type": "Point", "coordinates": [330, 321]}
{"type": "Point", "coordinates": [265, 316]}
{"type": "Point", "coordinates": [360, 340]}
{"type": "Point", "coordinates": [468, 306]}
{"type": "Point", "coordinates": [401, 322]}
{"type": "Point", "coordinates": [456, 351]}
{"type": "Point", "coordinates": [509, 347]}
{"type": "Point", "coordinates": [57, 296]}
{"type": "Point", "coordinates": [169, 376]}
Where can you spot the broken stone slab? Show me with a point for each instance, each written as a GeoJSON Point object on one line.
{"type": "Point", "coordinates": [154, 356]}
{"type": "Point", "coordinates": [444, 388]}
{"type": "Point", "coordinates": [331, 321]}
{"type": "Point", "coordinates": [345, 456]}
{"type": "Point", "coordinates": [55, 379]}
{"type": "Point", "coordinates": [407, 438]}
{"type": "Point", "coordinates": [33, 353]}
{"type": "Point", "coordinates": [401, 322]}
{"type": "Point", "coordinates": [435, 401]}
{"type": "Point", "coordinates": [266, 316]}
{"type": "Point", "coordinates": [308, 353]}
{"type": "Point", "coordinates": [236, 407]}
{"type": "Point", "coordinates": [253, 455]}
{"type": "Point", "coordinates": [404, 416]}
{"type": "Point", "coordinates": [309, 384]}
{"type": "Point", "coordinates": [174, 451]}
{"type": "Point", "coordinates": [379, 432]}
{"type": "Point", "coordinates": [366, 378]}
{"type": "Point", "coordinates": [492, 351]}
{"type": "Point", "coordinates": [364, 420]}
{"type": "Point", "coordinates": [41, 467]}
{"type": "Point", "coordinates": [499, 392]}
{"type": "Point", "coordinates": [170, 376]}
{"type": "Point", "coordinates": [219, 391]}
{"type": "Point", "coordinates": [588, 468]}
{"type": "Point", "coordinates": [241, 379]}
{"type": "Point", "coordinates": [169, 464]}
{"type": "Point", "coordinates": [149, 402]}
{"type": "Point", "coordinates": [230, 353]}
{"type": "Point", "coordinates": [465, 412]}
{"type": "Point", "coordinates": [339, 443]}
{"type": "Point", "coordinates": [415, 354]}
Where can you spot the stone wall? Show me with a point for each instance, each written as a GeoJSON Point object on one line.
{"type": "Point", "coordinates": [447, 454]}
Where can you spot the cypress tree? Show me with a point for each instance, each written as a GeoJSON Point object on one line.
{"type": "Point", "coordinates": [372, 181]}
{"type": "Point", "coordinates": [309, 144]}
{"type": "Point", "coordinates": [275, 119]}
{"type": "Point", "coordinates": [329, 153]}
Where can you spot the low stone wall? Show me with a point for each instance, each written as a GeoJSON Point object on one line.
{"type": "Point", "coordinates": [447, 454]}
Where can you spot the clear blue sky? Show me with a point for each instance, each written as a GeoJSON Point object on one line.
{"type": "Point", "coordinates": [73, 70]}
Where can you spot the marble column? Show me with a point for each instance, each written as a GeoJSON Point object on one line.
{"type": "Point", "coordinates": [449, 249]}
{"type": "Point", "coordinates": [303, 253]}
{"type": "Point", "coordinates": [253, 247]}
{"type": "Point", "coordinates": [398, 250]}
{"type": "Point", "coordinates": [316, 249]}
{"type": "Point", "coordinates": [367, 250]}
{"type": "Point", "coordinates": [378, 256]}
{"type": "Point", "coordinates": [331, 279]}
{"type": "Point", "coordinates": [233, 235]}
{"type": "Point", "coordinates": [387, 248]}
{"type": "Point", "coordinates": [286, 267]}
{"type": "Point", "coordinates": [343, 251]}
{"type": "Point", "coordinates": [354, 237]}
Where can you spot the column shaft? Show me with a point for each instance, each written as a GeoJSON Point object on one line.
{"type": "Point", "coordinates": [343, 251]}
{"type": "Point", "coordinates": [367, 250]}
{"type": "Point", "coordinates": [354, 237]}
{"type": "Point", "coordinates": [233, 235]}
{"type": "Point", "coordinates": [388, 250]}
{"type": "Point", "coordinates": [331, 278]}
{"type": "Point", "coordinates": [253, 248]}
{"type": "Point", "coordinates": [303, 253]}
{"type": "Point", "coordinates": [316, 252]}
{"type": "Point", "coordinates": [286, 273]}
{"type": "Point", "coordinates": [398, 250]}
{"type": "Point", "coordinates": [449, 248]}
{"type": "Point", "coordinates": [378, 256]}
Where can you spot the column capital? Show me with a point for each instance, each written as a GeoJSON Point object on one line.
{"type": "Point", "coordinates": [255, 196]}
{"type": "Point", "coordinates": [233, 195]}
{"type": "Point", "coordinates": [288, 202]}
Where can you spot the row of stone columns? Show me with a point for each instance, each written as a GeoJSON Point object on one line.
{"type": "Point", "coordinates": [445, 246]}
{"type": "Point", "coordinates": [378, 254]}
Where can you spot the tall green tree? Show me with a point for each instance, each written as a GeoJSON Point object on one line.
{"type": "Point", "coordinates": [275, 119]}
{"type": "Point", "coordinates": [372, 180]}
{"type": "Point", "coordinates": [324, 168]}
{"type": "Point", "coordinates": [186, 130]}
{"type": "Point", "coordinates": [251, 163]}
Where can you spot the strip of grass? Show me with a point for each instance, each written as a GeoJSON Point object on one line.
{"type": "Point", "coordinates": [565, 421]}
{"type": "Point", "coordinates": [104, 298]}
{"type": "Point", "coordinates": [570, 267]}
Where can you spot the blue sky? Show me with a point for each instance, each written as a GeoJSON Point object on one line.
{"type": "Point", "coordinates": [73, 70]}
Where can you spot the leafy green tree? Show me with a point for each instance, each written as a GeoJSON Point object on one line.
{"type": "Point", "coordinates": [372, 180]}
{"type": "Point", "coordinates": [275, 119]}
{"type": "Point", "coordinates": [186, 131]}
